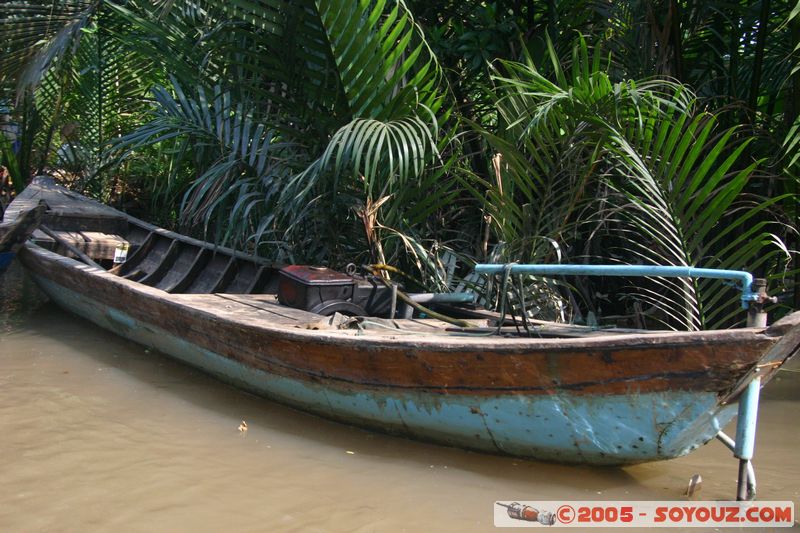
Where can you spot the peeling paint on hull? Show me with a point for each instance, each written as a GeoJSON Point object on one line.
{"type": "Point", "coordinates": [564, 427]}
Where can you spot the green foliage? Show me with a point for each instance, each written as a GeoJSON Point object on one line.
{"type": "Point", "coordinates": [230, 152]}
{"type": "Point", "coordinates": [369, 138]}
{"type": "Point", "coordinates": [584, 157]}
{"type": "Point", "coordinates": [8, 159]}
{"type": "Point", "coordinates": [426, 134]}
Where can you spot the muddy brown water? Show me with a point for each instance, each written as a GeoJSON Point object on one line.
{"type": "Point", "coordinates": [100, 434]}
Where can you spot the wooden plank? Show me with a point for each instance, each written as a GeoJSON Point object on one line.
{"type": "Point", "coordinates": [73, 237]}
{"type": "Point", "coordinates": [69, 247]}
{"type": "Point", "coordinates": [99, 245]}
{"type": "Point", "coordinates": [24, 201]}
{"type": "Point", "coordinates": [269, 303]}
{"type": "Point", "coordinates": [536, 331]}
{"type": "Point", "coordinates": [14, 233]}
{"type": "Point", "coordinates": [493, 317]}
{"type": "Point", "coordinates": [96, 245]}
{"type": "Point", "coordinates": [44, 240]}
{"type": "Point", "coordinates": [68, 211]}
{"type": "Point", "coordinates": [220, 304]}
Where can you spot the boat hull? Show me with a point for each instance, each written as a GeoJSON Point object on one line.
{"type": "Point", "coordinates": [569, 394]}
{"type": "Point", "coordinates": [571, 426]}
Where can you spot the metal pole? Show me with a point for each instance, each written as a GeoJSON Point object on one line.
{"type": "Point", "coordinates": [443, 297]}
{"type": "Point", "coordinates": [393, 307]}
{"type": "Point", "coordinates": [745, 278]}
{"type": "Point", "coordinates": [751, 472]}
{"type": "Point", "coordinates": [748, 402]}
{"type": "Point", "coordinates": [746, 435]}
{"type": "Point", "coordinates": [756, 317]}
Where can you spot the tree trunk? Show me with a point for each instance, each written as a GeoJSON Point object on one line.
{"type": "Point", "coordinates": [758, 60]}
{"type": "Point", "coordinates": [792, 113]}
{"type": "Point", "coordinates": [675, 38]}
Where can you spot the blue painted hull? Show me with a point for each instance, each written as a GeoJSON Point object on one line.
{"type": "Point", "coordinates": [564, 427]}
{"type": "Point", "coordinates": [5, 260]}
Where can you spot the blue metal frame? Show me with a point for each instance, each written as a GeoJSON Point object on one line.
{"type": "Point", "coordinates": [745, 278]}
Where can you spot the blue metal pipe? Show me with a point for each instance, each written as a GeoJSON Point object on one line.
{"type": "Point", "coordinates": [746, 437]}
{"type": "Point", "coordinates": [745, 278]}
{"type": "Point", "coordinates": [443, 297]}
{"type": "Point", "coordinates": [750, 488]}
{"type": "Point", "coordinates": [746, 421]}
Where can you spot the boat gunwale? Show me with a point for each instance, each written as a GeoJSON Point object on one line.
{"type": "Point", "coordinates": [700, 361]}
{"type": "Point", "coordinates": [199, 243]}
{"type": "Point", "coordinates": [621, 341]}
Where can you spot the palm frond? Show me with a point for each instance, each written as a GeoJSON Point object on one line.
{"type": "Point", "coordinates": [229, 147]}
{"type": "Point", "coordinates": [34, 35]}
{"type": "Point", "coordinates": [385, 66]}
{"type": "Point", "coordinates": [580, 151]}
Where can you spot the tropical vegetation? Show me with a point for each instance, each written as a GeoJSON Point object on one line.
{"type": "Point", "coordinates": [433, 135]}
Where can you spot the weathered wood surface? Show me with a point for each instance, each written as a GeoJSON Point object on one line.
{"type": "Point", "coordinates": [157, 257]}
{"type": "Point", "coordinates": [66, 210]}
{"type": "Point", "coordinates": [71, 249]}
{"type": "Point", "coordinates": [271, 309]}
{"type": "Point", "coordinates": [420, 356]}
{"type": "Point", "coordinates": [14, 231]}
{"type": "Point", "coordinates": [89, 226]}
{"type": "Point", "coordinates": [622, 364]}
{"type": "Point", "coordinates": [493, 319]}
{"type": "Point", "coordinates": [785, 324]}
{"type": "Point", "coordinates": [96, 245]}
{"type": "Point", "coordinates": [787, 331]}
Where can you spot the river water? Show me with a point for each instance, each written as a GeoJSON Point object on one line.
{"type": "Point", "coordinates": [99, 434]}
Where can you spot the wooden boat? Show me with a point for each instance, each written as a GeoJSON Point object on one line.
{"type": "Point", "coordinates": [14, 233]}
{"type": "Point", "coordinates": [575, 395]}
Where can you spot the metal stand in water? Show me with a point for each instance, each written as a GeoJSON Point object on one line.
{"type": "Point", "coordinates": [744, 445]}
{"type": "Point", "coordinates": [753, 298]}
